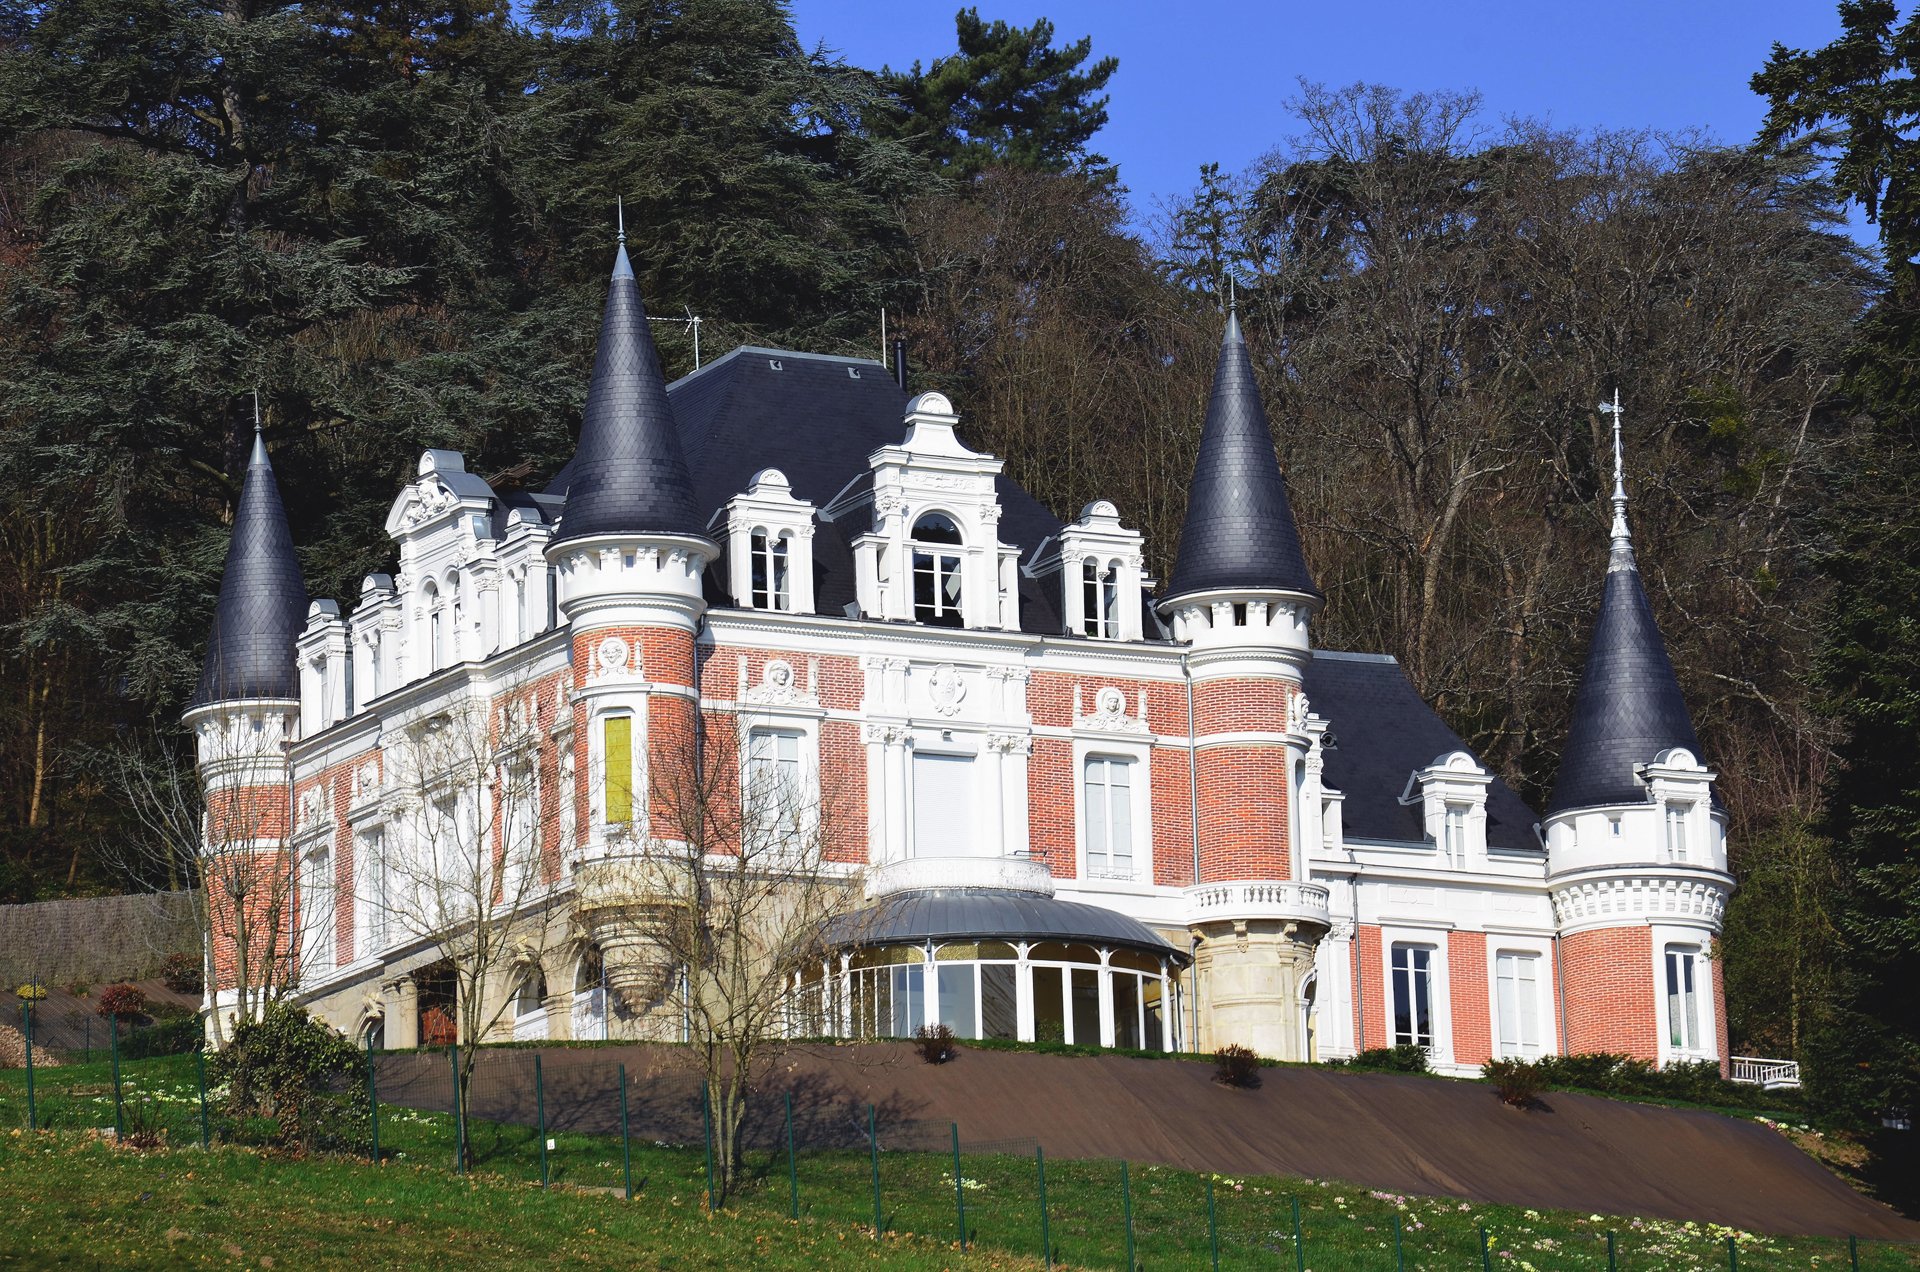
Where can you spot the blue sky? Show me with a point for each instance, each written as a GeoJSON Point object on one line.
{"type": "Point", "coordinates": [1208, 81]}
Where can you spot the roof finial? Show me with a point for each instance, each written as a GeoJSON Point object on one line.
{"type": "Point", "coordinates": [256, 412]}
{"type": "Point", "coordinates": [1233, 296]}
{"type": "Point", "coordinates": [1620, 557]}
{"type": "Point", "coordinates": [620, 215]}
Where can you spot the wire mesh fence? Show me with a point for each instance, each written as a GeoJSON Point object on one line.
{"type": "Point", "coordinates": [579, 1118]}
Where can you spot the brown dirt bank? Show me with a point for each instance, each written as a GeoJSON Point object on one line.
{"type": "Point", "coordinates": [1387, 1131]}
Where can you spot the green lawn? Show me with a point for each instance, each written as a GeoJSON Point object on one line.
{"type": "Point", "coordinates": [78, 1200]}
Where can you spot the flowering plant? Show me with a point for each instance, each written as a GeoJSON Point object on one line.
{"type": "Point", "coordinates": [31, 992]}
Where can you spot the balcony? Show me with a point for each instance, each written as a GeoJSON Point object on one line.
{"type": "Point", "coordinates": [921, 874]}
{"type": "Point", "coordinates": [1281, 899]}
{"type": "Point", "coordinates": [1770, 1075]}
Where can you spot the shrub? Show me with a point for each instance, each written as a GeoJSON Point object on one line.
{"type": "Point", "coordinates": [1236, 1066]}
{"type": "Point", "coordinates": [306, 1081]}
{"type": "Point", "coordinates": [31, 992]}
{"type": "Point", "coordinates": [1402, 1059]}
{"type": "Point", "coordinates": [171, 1037]}
{"type": "Point", "coordinates": [182, 973]}
{"type": "Point", "coordinates": [936, 1043]}
{"type": "Point", "coordinates": [1517, 1082]}
{"type": "Point", "coordinates": [1698, 1082]}
{"type": "Point", "coordinates": [122, 1002]}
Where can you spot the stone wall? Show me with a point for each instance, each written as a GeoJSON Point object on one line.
{"type": "Point", "coordinates": [97, 939]}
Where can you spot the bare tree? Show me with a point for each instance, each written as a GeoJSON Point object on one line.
{"type": "Point", "coordinates": [462, 859]}
{"type": "Point", "coordinates": [219, 825]}
{"type": "Point", "coordinates": [733, 881]}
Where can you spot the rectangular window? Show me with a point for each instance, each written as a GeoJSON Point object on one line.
{"type": "Point", "coordinates": [999, 1001]}
{"type": "Point", "coordinates": [1108, 803]}
{"type": "Point", "coordinates": [1455, 843]}
{"type": "Point", "coordinates": [943, 805]}
{"type": "Point", "coordinates": [318, 916]}
{"type": "Point", "coordinates": [1517, 989]}
{"type": "Point", "coordinates": [1683, 1007]}
{"type": "Point", "coordinates": [956, 999]}
{"type": "Point", "coordinates": [771, 588]}
{"type": "Point", "coordinates": [617, 735]}
{"type": "Point", "coordinates": [774, 788]}
{"type": "Point", "coordinates": [1677, 817]}
{"type": "Point", "coordinates": [1412, 995]}
{"type": "Point", "coordinates": [1126, 1010]}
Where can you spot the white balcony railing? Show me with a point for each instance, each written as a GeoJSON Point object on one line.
{"type": "Point", "coordinates": [1770, 1074]}
{"type": "Point", "coordinates": [918, 874]}
{"type": "Point", "coordinates": [1283, 899]}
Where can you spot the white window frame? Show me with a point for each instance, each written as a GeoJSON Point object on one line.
{"type": "Point", "coordinates": [319, 910]}
{"type": "Point", "coordinates": [976, 761]}
{"type": "Point", "coordinates": [1692, 946]}
{"type": "Point", "coordinates": [802, 816]}
{"type": "Point", "coordinates": [1440, 987]}
{"type": "Point", "coordinates": [1453, 835]}
{"type": "Point", "coordinates": [370, 904]}
{"type": "Point", "coordinates": [939, 554]}
{"type": "Point", "coordinates": [1100, 584]}
{"type": "Point", "coordinates": [1679, 832]}
{"type": "Point", "coordinates": [1502, 947]}
{"type": "Point", "coordinates": [1138, 753]}
{"type": "Point", "coordinates": [1097, 860]}
{"type": "Point", "coordinates": [597, 768]}
{"type": "Point", "coordinates": [770, 550]}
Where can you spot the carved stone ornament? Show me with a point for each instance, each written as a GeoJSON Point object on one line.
{"type": "Point", "coordinates": [611, 656]}
{"type": "Point", "coordinates": [367, 779]}
{"type": "Point", "coordinates": [885, 734]}
{"type": "Point", "coordinates": [890, 504]}
{"type": "Point", "coordinates": [778, 686]}
{"type": "Point", "coordinates": [1010, 743]}
{"type": "Point", "coordinates": [1110, 714]}
{"type": "Point", "coordinates": [947, 689]}
{"type": "Point", "coordinates": [313, 803]}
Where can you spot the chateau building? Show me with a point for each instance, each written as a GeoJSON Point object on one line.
{"type": "Point", "coordinates": [1066, 802]}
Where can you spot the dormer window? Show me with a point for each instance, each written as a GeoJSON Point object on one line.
{"type": "Point", "coordinates": [936, 571]}
{"type": "Point", "coordinates": [1454, 838]}
{"type": "Point", "coordinates": [1100, 598]}
{"type": "Point", "coordinates": [772, 588]}
{"type": "Point", "coordinates": [1677, 818]}
{"type": "Point", "coordinates": [439, 629]}
{"type": "Point", "coordinates": [769, 537]}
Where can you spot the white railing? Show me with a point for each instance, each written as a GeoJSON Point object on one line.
{"type": "Point", "coordinates": [1258, 899]}
{"type": "Point", "coordinates": [530, 1026]}
{"type": "Point", "coordinates": [590, 1015]}
{"type": "Point", "coordinates": [918, 874]}
{"type": "Point", "coordinates": [1770, 1074]}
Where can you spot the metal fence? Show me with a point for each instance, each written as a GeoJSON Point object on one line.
{"type": "Point", "coordinates": [577, 1118]}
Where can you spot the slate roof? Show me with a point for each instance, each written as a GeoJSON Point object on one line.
{"type": "Point", "coordinates": [262, 606]}
{"type": "Point", "coordinates": [1629, 707]}
{"type": "Point", "coordinates": [1384, 731]}
{"type": "Point", "coordinates": [628, 474]}
{"type": "Point", "coordinates": [1239, 531]}
{"type": "Point", "coordinates": [817, 424]}
{"type": "Point", "coordinates": [982, 913]}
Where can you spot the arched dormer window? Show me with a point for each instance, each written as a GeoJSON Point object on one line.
{"type": "Point", "coordinates": [772, 580]}
{"type": "Point", "coordinates": [936, 571]}
{"type": "Point", "coordinates": [1100, 603]}
{"type": "Point", "coordinates": [452, 595]}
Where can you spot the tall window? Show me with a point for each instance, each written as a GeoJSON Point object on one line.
{"type": "Point", "coordinates": [771, 588]}
{"type": "Point", "coordinates": [936, 571]}
{"type": "Point", "coordinates": [774, 787]}
{"type": "Point", "coordinates": [370, 894]}
{"type": "Point", "coordinates": [437, 628]}
{"type": "Point", "coordinates": [1517, 989]}
{"type": "Point", "coordinates": [617, 743]}
{"type": "Point", "coordinates": [943, 805]}
{"type": "Point", "coordinates": [1453, 844]}
{"type": "Point", "coordinates": [1683, 1006]}
{"type": "Point", "coordinates": [1100, 604]}
{"type": "Point", "coordinates": [521, 850]}
{"type": "Point", "coordinates": [317, 913]}
{"type": "Point", "coordinates": [1412, 995]}
{"type": "Point", "coordinates": [1107, 797]}
{"type": "Point", "coordinates": [1677, 817]}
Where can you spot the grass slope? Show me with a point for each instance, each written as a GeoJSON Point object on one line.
{"type": "Point", "coordinates": [76, 1201]}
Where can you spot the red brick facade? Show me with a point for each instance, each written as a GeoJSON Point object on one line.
{"type": "Point", "coordinates": [1609, 991]}
{"type": "Point", "coordinates": [1370, 948]}
{"type": "Point", "coordinates": [1467, 985]}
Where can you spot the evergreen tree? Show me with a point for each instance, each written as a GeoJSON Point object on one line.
{"type": "Point", "coordinates": [1008, 96]}
{"type": "Point", "coordinates": [1856, 98]}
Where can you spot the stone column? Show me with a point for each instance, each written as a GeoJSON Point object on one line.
{"type": "Point", "coordinates": [402, 997]}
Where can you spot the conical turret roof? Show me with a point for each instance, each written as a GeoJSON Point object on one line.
{"type": "Point", "coordinates": [263, 600]}
{"type": "Point", "coordinates": [1239, 531]}
{"type": "Point", "coordinates": [627, 476]}
{"type": "Point", "coordinates": [1629, 707]}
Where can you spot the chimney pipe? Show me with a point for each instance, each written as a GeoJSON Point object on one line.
{"type": "Point", "coordinates": [900, 364]}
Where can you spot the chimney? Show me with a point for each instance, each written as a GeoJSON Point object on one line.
{"type": "Point", "coordinates": [900, 364]}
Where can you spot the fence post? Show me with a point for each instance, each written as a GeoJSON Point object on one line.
{"type": "Point", "coordinates": [459, 1119]}
{"type": "Point", "coordinates": [540, 1105]}
{"type": "Point", "coordinates": [1853, 1253]}
{"type": "Point", "coordinates": [373, 1100]}
{"type": "Point", "coordinates": [200, 1067]}
{"type": "Point", "coordinates": [626, 1141]}
{"type": "Point", "coordinates": [1733, 1256]}
{"type": "Point", "coordinates": [706, 1121]}
{"type": "Point", "coordinates": [1486, 1256]}
{"type": "Point", "coordinates": [1612, 1266]}
{"type": "Point", "coordinates": [1399, 1250]}
{"type": "Point", "coordinates": [793, 1166]}
{"type": "Point", "coordinates": [873, 1146]}
{"type": "Point", "coordinates": [1046, 1238]}
{"type": "Point", "coordinates": [118, 1115]}
{"type": "Point", "coordinates": [959, 1197]}
{"type": "Point", "coordinates": [26, 1020]}
{"type": "Point", "coordinates": [1213, 1227]}
{"type": "Point", "coordinates": [1126, 1213]}
{"type": "Point", "coordinates": [1299, 1245]}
